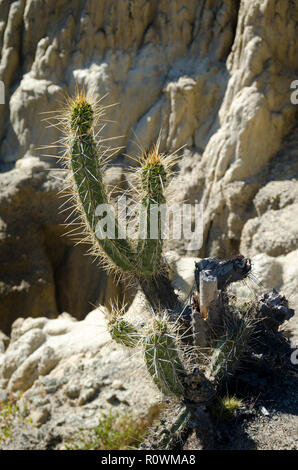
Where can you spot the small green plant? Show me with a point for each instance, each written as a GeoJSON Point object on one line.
{"type": "Point", "coordinates": [123, 333]}
{"type": "Point", "coordinates": [113, 432]}
{"type": "Point", "coordinates": [231, 404]}
{"type": "Point", "coordinates": [8, 413]}
{"type": "Point", "coordinates": [9, 416]}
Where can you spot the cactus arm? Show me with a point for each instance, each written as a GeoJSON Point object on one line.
{"type": "Point", "coordinates": [123, 333]}
{"type": "Point", "coordinates": [232, 347]}
{"type": "Point", "coordinates": [90, 190]}
{"type": "Point", "coordinates": [177, 428]}
{"type": "Point", "coordinates": [162, 360]}
{"type": "Point", "coordinates": [153, 180]}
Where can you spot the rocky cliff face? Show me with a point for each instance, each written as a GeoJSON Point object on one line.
{"type": "Point", "coordinates": [163, 62]}
{"type": "Point", "coordinates": [41, 271]}
{"type": "Point", "coordinates": [213, 75]}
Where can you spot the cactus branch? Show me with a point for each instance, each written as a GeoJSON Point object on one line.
{"type": "Point", "coordinates": [162, 360]}
{"type": "Point", "coordinates": [87, 170]}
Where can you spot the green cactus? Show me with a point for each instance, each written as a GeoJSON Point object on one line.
{"type": "Point", "coordinates": [169, 438]}
{"type": "Point", "coordinates": [153, 182]}
{"type": "Point", "coordinates": [143, 260]}
{"type": "Point", "coordinates": [87, 168]}
{"type": "Point", "coordinates": [162, 360]}
{"type": "Point", "coordinates": [124, 333]}
{"type": "Point", "coordinates": [230, 349]}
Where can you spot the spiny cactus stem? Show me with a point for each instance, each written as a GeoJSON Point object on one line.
{"type": "Point", "coordinates": [149, 248]}
{"type": "Point", "coordinates": [162, 360]}
{"type": "Point", "coordinates": [177, 428]}
{"type": "Point", "coordinates": [124, 333]}
{"type": "Point", "coordinates": [231, 348]}
{"type": "Point", "coordinates": [91, 191]}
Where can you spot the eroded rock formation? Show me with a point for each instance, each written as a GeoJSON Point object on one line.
{"type": "Point", "coordinates": [214, 75]}
{"type": "Point", "coordinates": [42, 273]}
{"type": "Point", "coordinates": [65, 373]}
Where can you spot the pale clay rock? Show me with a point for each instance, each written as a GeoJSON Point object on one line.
{"type": "Point", "coordinates": [19, 351]}
{"type": "Point", "coordinates": [276, 195]}
{"type": "Point", "coordinates": [41, 362]}
{"type": "Point", "coordinates": [39, 417]}
{"type": "Point", "coordinates": [155, 67]}
{"type": "Point", "coordinates": [274, 233]}
{"type": "Point", "coordinates": [74, 370]}
{"type": "Point", "coordinates": [213, 76]}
